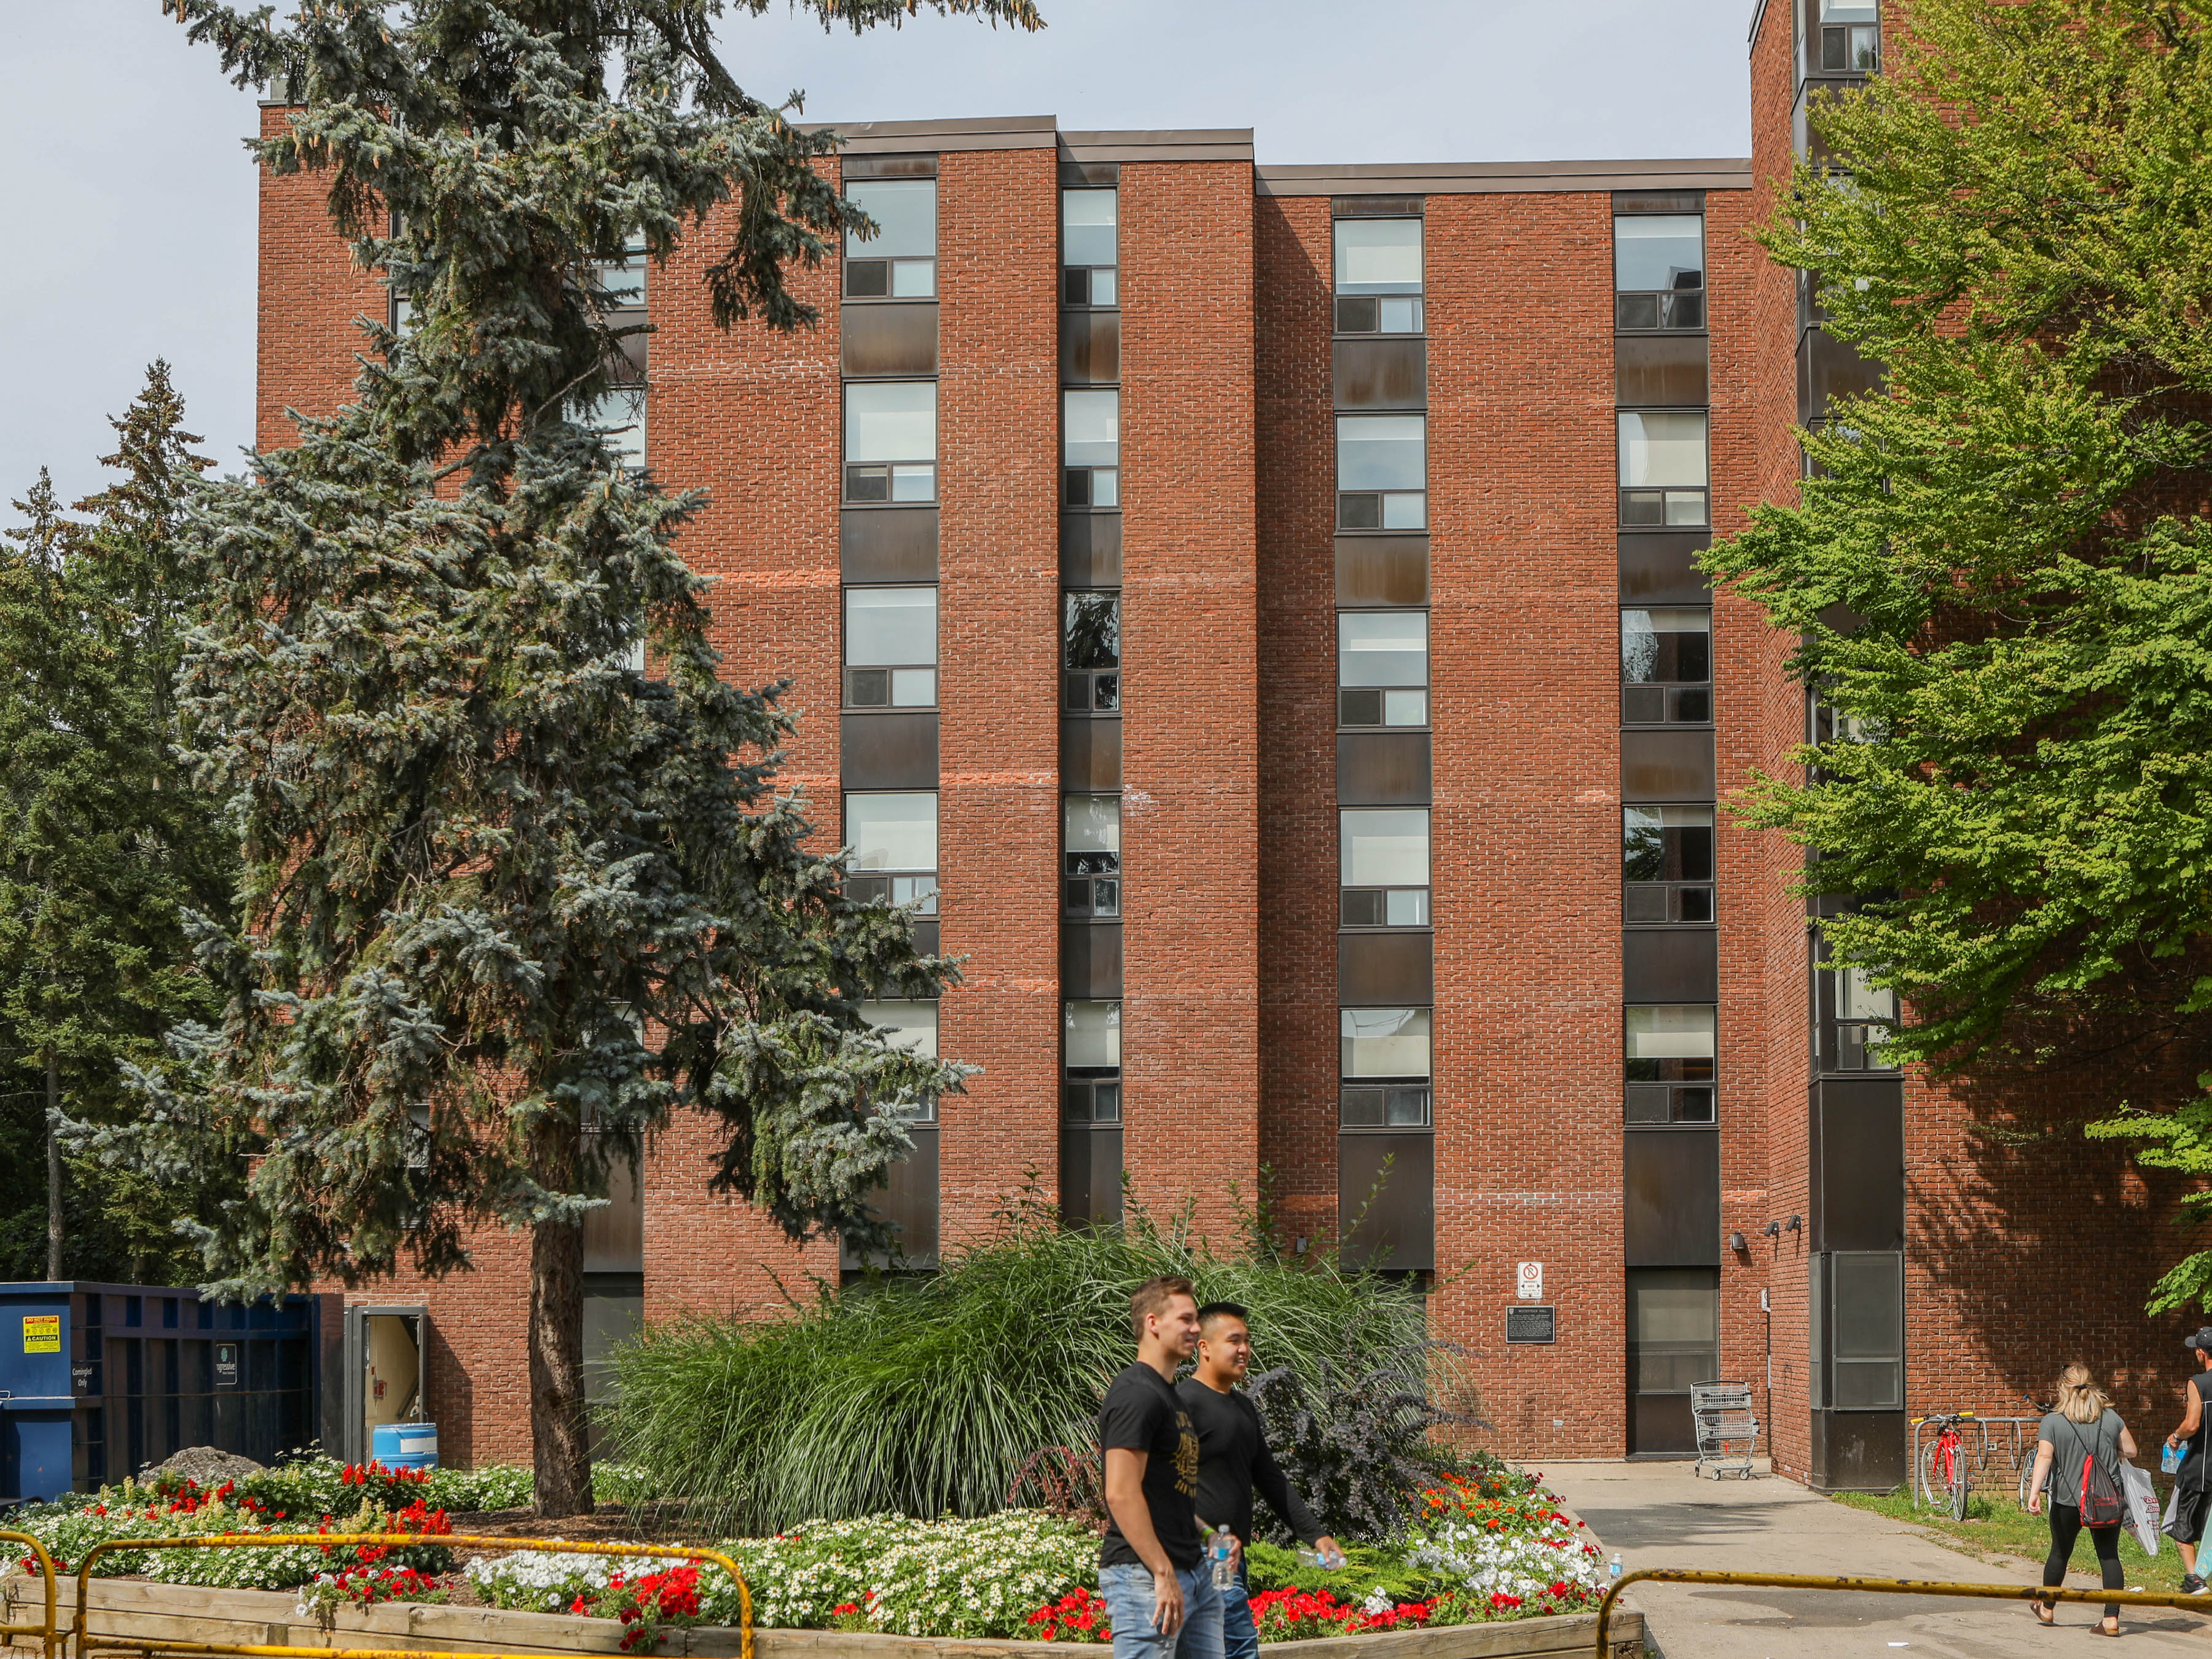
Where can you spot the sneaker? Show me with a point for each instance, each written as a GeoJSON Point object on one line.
{"type": "Point", "coordinates": [2191, 1584]}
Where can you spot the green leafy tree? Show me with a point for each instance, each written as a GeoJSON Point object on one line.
{"type": "Point", "coordinates": [2002, 569]}
{"type": "Point", "coordinates": [509, 901]}
{"type": "Point", "coordinates": [104, 848]}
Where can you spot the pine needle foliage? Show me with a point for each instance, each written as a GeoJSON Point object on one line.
{"type": "Point", "coordinates": [510, 900]}
{"type": "Point", "coordinates": [928, 1394]}
{"type": "Point", "coordinates": [2001, 566]}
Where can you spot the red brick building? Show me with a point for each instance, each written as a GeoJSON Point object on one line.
{"type": "Point", "coordinates": [1253, 608]}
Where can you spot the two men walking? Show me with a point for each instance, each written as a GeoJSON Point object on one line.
{"type": "Point", "coordinates": [1174, 1454]}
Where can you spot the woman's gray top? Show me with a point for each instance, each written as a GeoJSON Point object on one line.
{"type": "Point", "coordinates": [2070, 1445]}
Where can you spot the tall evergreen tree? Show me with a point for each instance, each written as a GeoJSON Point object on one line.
{"type": "Point", "coordinates": [2002, 566]}
{"type": "Point", "coordinates": [501, 887]}
{"type": "Point", "coordinates": [104, 846]}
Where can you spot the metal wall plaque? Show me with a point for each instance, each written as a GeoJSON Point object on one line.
{"type": "Point", "coordinates": [226, 1364]}
{"type": "Point", "coordinates": [1531, 1325]}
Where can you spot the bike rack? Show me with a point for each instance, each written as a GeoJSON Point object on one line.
{"type": "Point", "coordinates": [1982, 1425]}
{"type": "Point", "coordinates": [85, 1647]}
{"type": "Point", "coordinates": [2201, 1604]}
{"type": "Point", "coordinates": [49, 1634]}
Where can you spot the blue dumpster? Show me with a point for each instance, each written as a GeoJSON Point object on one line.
{"type": "Point", "coordinates": [99, 1381]}
{"type": "Point", "coordinates": [404, 1445]}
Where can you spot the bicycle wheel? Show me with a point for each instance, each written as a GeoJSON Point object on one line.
{"type": "Point", "coordinates": [1961, 1479]}
{"type": "Point", "coordinates": [1935, 1488]}
{"type": "Point", "coordinates": [2027, 1482]}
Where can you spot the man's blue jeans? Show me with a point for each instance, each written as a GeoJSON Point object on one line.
{"type": "Point", "coordinates": [1128, 1594]}
{"type": "Point", "coordinates": [1239, 1636]}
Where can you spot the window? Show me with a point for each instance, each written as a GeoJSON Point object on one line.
{"type": "Point", "coordinates": [899, 261]}
{"type": "Point", "coordinates": [1378, 275]}
{"type": "Point", "coordinates": [1089, 225]}
{"type": "Point", "coordinates": [894, 842]}
{"type": "Point", "coordinates": [1383, 855]}
{"type": "Point", "coordinates": [1382, 471]}
{"type": "Point", "coordinates": [1666, 864]}
{"type": "Point", "coordinates": [1859, 1330]}
{"type": "Point", "coordinates": [890, 648]}
{"type": "Point", "coordinates": [1854, 1015]}
{"type": "Point", "coordinates": [891, 441]}
{"type": "Point", "coordinates": [1670, 1048]}
{"type": "Point", "coordinates": [1665, 666]}
{"type": "Point", "coordinates": [1851, 36]}
{"type": "Point", "coordinates": [1090, 435]}
{"type": "Point", "coordinates": [1659, 271]}
{"type": "Point", "coordinates": [1384, 1064]}
{"type": "Point", "coordinates": [907, 1025]}
{"type": "Point", "coordinates": [618, 416]}
{"type": "Point", "coordinates": [1673, 1329]}
{"type": "Point", "coordinates": [1382, 668]}
{"type": "Point", "coordinates": [1662, 469]}
{"type": "Point", "coordinates": [1090, 673]}
{"type": "Point", "coordinates": [1090, 1062]}
{"type": "Point", "coordinates": [621, 282]}
{"type": "Point", "coordinates": [1091, 851]}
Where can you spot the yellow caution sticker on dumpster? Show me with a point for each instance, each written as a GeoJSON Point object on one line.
{"type": "Point", "coordinates": [42, 1332]}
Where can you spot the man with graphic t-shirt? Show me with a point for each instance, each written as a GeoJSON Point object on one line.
{"type": "Point", "coordinates": [1152, 1570]}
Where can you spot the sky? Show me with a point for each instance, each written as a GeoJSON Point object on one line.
{"type": "Point", "coordinates": [130, 202]}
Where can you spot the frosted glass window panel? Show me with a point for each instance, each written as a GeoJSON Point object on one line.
{"type": "Point", "coordinates": [1090, 425]}
{"type": "Point", "coordinates": [1676, 1305]}
{"type": "Point", "coordinates": [1671, 1031]}
{"type": "Point", "coordinates": [1089, 230]}
{"type": "Point", "coordinates": [909, 1024]}
{"type": "Point", "coordinates": [1092, 823]}
{"type": "Point", "coordinates": [1658, 251]}
{"type": "Point", "coordinates": [1092, 1034]}
{"type": "Point", "coordinates": [905, 212]}
{"type": "Point", "coordinates": [890, 627]}
{"type": "Point", "coordinates": [1382, 647]}
{"type": "Point", "coordinates": [1379, 256]}
{"type": "Point", "coordinates": [1384, 1042]}
{"type": "Point", "coordinates": [891, 421]}
{"type": "Point", "coordinates": [1659, 451]}
{"type": "Point", "coordinates": [1387, 451]}
{"type": "Point", "coordinates": [1850, 11]}
{"type": "Point", "coordinates": [1859, 997]}
{"type": "Point", "coordinates": [892, 831]}
{"type": "Point", "coordinates": [1383, 847]}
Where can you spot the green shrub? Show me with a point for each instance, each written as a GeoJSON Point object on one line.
{"type": "Point", "coordinates": [925, 1395]}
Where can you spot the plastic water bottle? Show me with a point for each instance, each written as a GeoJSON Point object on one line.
{"type": "Point", "coordinates": [2172, 1457]}
{"type": "Point", "coordinates": [1327, 1560]}
{"type": "Point", "coordinates": [1613, 1571]}
{"type": "Point", "coordinates": [1222, 1549]}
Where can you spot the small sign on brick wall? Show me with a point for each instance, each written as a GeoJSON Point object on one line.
{"type": "Point", "coordinates": [1528, 1286]}
{"type": "Point", "coordinates": [1532, 1324]}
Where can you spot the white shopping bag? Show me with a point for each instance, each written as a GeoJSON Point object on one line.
{"type": "Point", "coordinates": [2143, 1506]}
{"type": "Point", "coordinates": [2173, 1507]}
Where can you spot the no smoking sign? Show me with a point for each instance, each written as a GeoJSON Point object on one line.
{"type": "Point", "coordinates": [1529, 1284]}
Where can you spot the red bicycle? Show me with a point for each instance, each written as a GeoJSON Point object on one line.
{"type": "Point", "coordinates": [1946, 1469]}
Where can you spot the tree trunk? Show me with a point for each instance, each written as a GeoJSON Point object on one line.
{"type": "Point", "coordinates": [53, 1166]}
{"type": "Point", "coordinates": [559, 1451]}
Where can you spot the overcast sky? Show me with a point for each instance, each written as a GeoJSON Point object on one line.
{"type": "Point", "coordinates": [131, 204]}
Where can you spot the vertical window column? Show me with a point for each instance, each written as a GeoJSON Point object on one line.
{"type": "Point", "coordinates": [1671, 1021]}
{"type": "Point", "coordinates": [1092, 897]}
{"type": "Point", "coordinates": [1386, 1096]}
{"type": "Point", "coordinates": [887, 680]}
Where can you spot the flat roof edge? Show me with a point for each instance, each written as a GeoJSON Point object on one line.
{"type": "Point", "coordinates": [1499, 178]}
{"type": "Point", "coordinates": [984, 132]}
{"type": "Point", "coordinates": [1174, 144]}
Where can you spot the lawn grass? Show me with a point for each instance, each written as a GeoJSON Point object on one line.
{"type": "Point", "coordinates": [1996, 1525]}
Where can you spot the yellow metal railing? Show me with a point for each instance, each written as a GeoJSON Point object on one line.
{"type": "Point", "coordinates": [49, 1634]}
{"type": "Point", "coordinates": [79, 1636]}
{"type": "Point", "coordinates": [2201, 1604]}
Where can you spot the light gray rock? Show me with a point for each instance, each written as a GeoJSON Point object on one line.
{"type": "Point", "coordinates": [210, 1465]}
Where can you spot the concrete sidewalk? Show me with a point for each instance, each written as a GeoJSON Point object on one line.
{"type": "Point", "coordinates": [1661, 1514]}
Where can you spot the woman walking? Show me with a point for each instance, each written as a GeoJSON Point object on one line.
{"type": "Point", "coordinates": [2084, 1425]}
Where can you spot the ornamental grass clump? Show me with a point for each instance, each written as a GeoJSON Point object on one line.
{"type": "Point", "coordinates": [928, 1395]}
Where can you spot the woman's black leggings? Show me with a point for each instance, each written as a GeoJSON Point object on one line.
{"type": "Point", "coordinates": [2065, 1527]}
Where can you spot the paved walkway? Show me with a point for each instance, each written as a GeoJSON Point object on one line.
{"type": "Point", "coordinates": [1661, 1514]}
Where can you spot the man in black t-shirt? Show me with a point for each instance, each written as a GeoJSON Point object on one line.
{"type": "Point", "coordinates": [1233, 1458]}
{"type": "Point", "coordinates": [1152, 1570]}
{"type": "Point", "coordinates": [2192, 1483]}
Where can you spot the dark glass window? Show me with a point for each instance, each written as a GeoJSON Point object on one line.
{"type": "Point", "coordinates": [1091, 850]}
{"type": "Point", "coordinates": [1666, 665]}
{"type": "Point", "coordinates": [1666, 864]}
{"type": "Point", "coordinates": [1091, 652]}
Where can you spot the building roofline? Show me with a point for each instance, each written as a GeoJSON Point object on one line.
{"type": "Point", "coordinates": [1170, 144]}
{"type": "Point", "coordinates": [970, 132]}
{"type": "Point", "coordinates": [1500, 178]}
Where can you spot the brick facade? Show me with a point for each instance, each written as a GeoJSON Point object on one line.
{"type": "Point", "coordinates": [1229, 587]}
